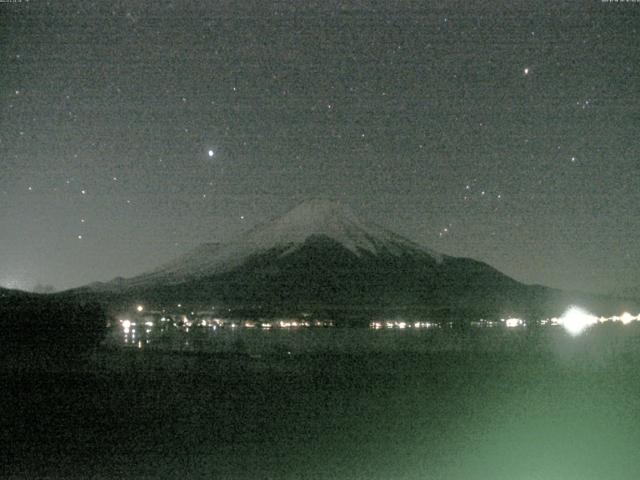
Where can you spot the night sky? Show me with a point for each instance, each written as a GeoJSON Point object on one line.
{"type": "Point", "coordinates": [131, 131]}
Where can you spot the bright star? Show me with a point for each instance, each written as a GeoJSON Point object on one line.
{"type": "Point", "coordinates": [211, 153]}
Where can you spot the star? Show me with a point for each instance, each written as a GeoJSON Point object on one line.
{"type": "Point", "coordinates": [526, 71]}
{"type": "Point", "coordinates": [211, 153]}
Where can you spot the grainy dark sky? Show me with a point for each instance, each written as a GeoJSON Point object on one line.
{"type": "Point", "coordinates": [506, 131]}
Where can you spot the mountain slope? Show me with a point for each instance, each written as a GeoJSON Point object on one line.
{"type": "Point", "coordinates": [323, 272]}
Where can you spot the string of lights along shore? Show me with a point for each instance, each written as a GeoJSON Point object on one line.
{"type": "Point", "coordinates": [131, 132]}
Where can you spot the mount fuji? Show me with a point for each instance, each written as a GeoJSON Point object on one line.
{"type": "Point", "coordinates": [306, 225]}
{"type": "Point", "coordinates": [322, 257]}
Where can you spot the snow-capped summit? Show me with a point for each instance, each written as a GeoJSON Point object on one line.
{"type": "Point", "coordinates": [335, 221]}
{"type": "Point", "coordinates": [311, 219]}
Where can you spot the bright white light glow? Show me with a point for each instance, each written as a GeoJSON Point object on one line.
{"type": "Point", "coordinates": [513, 322]}
{"type": "Point", "coordinates": [211, 153]}
{"type": "Point", "coordinates": [139, 308]}
{"type": "Point", "coordinates": [576, 320]}
{"type": "Point", "coordinates": [627, 318]}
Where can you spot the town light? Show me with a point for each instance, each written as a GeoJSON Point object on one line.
{"type": "Point", "coordinates": [576, 320]}
{"type": "Point", "coordinates": [513, 322]}
{"type": "Point", "coordinates": [627, 318]}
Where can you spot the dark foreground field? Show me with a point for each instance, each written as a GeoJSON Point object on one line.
{"type": "Point", "coordinates": [549, 408]}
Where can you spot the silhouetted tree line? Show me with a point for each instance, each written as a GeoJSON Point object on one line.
{"type": "Point", "coordinates": [53, 326]}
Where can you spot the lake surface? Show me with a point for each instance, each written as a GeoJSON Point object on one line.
{"type": "Point", "coordinates": [334, 403]}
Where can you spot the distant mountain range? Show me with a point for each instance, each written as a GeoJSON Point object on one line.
{"type": "Point", "coordinates": [8, 295]}
{"type": "Point", "coordinates": [321, 258]}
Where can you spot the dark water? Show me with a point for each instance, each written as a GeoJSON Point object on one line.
{"type": "Point", "coordinates": [445, 405]}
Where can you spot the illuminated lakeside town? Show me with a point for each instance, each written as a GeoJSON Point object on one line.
{"type": "Point", "coordinates": [141, 327]}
